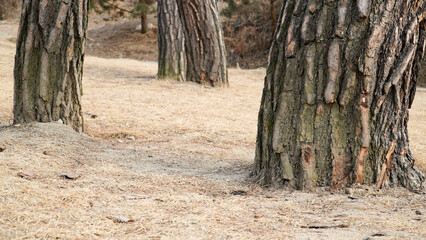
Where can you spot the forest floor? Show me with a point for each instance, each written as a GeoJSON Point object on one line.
{"type": "Point", "coordinates": [174, 157]}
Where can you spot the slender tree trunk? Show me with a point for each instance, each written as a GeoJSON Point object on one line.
{"type": "Point", "coordinates": [171, 42]}
{"type": "Point", "coordinates": [49, 62]}
{"type": "Point", "coordinates": [422, 74]}
{"type": "Point", "coordinates": [341, 78]}
{"type": "Point", "coordinates": [144, 23]}
{"type": "Point", "coordinates": [205, 47]}
{"type": "Point", "coordinates": [7, 7]}
{"type": "Point", "coordinates": [273, 16]}
{"type": "Point", "coordinates": [2, 15]}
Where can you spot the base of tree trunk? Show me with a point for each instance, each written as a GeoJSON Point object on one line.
{"type": "Point", "coordinates": [171, 42]}
{"type": "Point", "coordinates": [49, 62]}
{"type": "Point", "coordinates": [205, 46]}
{"type": "Point", "coordinates": [144, 23]}
{"type": "Point", "coordinates": [340, 81]}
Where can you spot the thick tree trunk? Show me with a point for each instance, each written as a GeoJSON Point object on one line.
{"type": "Point", "coordinates": [340, 81]}
{"type": "Point", "coordinates": [171, 42]}
{"type": "Point", "coordinates": [49, 62]}
{"type": "Point", "coordinates": [205, 47]}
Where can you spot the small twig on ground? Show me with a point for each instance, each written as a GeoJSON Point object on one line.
{"type": "Point", "coordinates": [323, 226]}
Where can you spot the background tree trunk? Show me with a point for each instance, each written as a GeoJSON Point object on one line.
{"type": "Point", "coordinates": [340, 80]}
{"type": "Point", "coordinates": [171, 42]}
{"type": "Point", "coordinates": [144, 23]}
{"type": "Point", "coordinates": [205, 47]}
{"type": "Point", "coordinates": [7, 8]}
{"type": "Point", "coordinates": [422, 75]}
{"type": "Point", "coordinates": [273, 15]}
{"type": "Point", "coordinates": [49, 62]}
{"type": "Point", "coordinates": [2, 12]}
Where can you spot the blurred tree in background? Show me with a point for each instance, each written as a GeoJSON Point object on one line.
{"type": "Point", "coordinates": [7, 7]}
{"type": "Point", "coordinates": [134, 8]}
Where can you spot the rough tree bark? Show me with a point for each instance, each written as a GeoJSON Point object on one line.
{"type": "Point", "coordinates": [171, 42]}
{"type": "Point", "coordinates": [205, 46]}
{"type": "Point", "coordinates": [340, 80]}
{"type": "Point", "coordinates": [49, 62]}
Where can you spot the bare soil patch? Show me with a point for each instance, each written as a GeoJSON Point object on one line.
{"type": "Point", "coordinates": [119, 39]}
{"type": "Point", "coordinates": [174, 157]}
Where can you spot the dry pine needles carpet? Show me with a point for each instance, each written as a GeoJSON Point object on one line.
{"type": "Point", "coordinates": [174, 158]}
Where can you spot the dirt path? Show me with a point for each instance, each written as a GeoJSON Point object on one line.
{"type": "Point", "coordinates": [174, 157]}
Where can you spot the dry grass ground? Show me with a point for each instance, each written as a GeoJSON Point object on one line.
{"type": "Point", "coordinates": [192, 147]}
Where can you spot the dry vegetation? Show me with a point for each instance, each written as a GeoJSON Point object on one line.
{"type": "Point", "coordinates": [192, 147]}
{"type": "Point", "coordinates": [119, 39]}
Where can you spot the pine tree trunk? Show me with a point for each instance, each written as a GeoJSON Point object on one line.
{"type": "Point", "coordinates": [7, 7]}
{"type": "Point", "coordinates": [144, 23]}
{"type": "Point", "coordinates": [2, 15]}
{"type": "Point", "coordinates": [205, 47]}
{"type": "Point", "coordinates": [273, 15]}
{"type": "Point", "coordinates": [49, 62]}
{"type": "Point", "coordinates": [340, 80]}
{"type": "Point", "coordinates": [422, 75]}
{"type": "Point", "coordinates": [171, 42]}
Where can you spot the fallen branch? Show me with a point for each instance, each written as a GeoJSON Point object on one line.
{"type": "Point", "coordinates": [135, 197]}
{"type": "Point", "coordinates": [324, 226]}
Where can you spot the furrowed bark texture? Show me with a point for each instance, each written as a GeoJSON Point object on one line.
{"type": "Point", "coordinates": [49, 62]}
{"type": "Point", "coordinates": [171, 42]}
{"type": "Point", "coordinates": [205, 46]}
{"type": "Point", "coordinates": [340, 80]}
